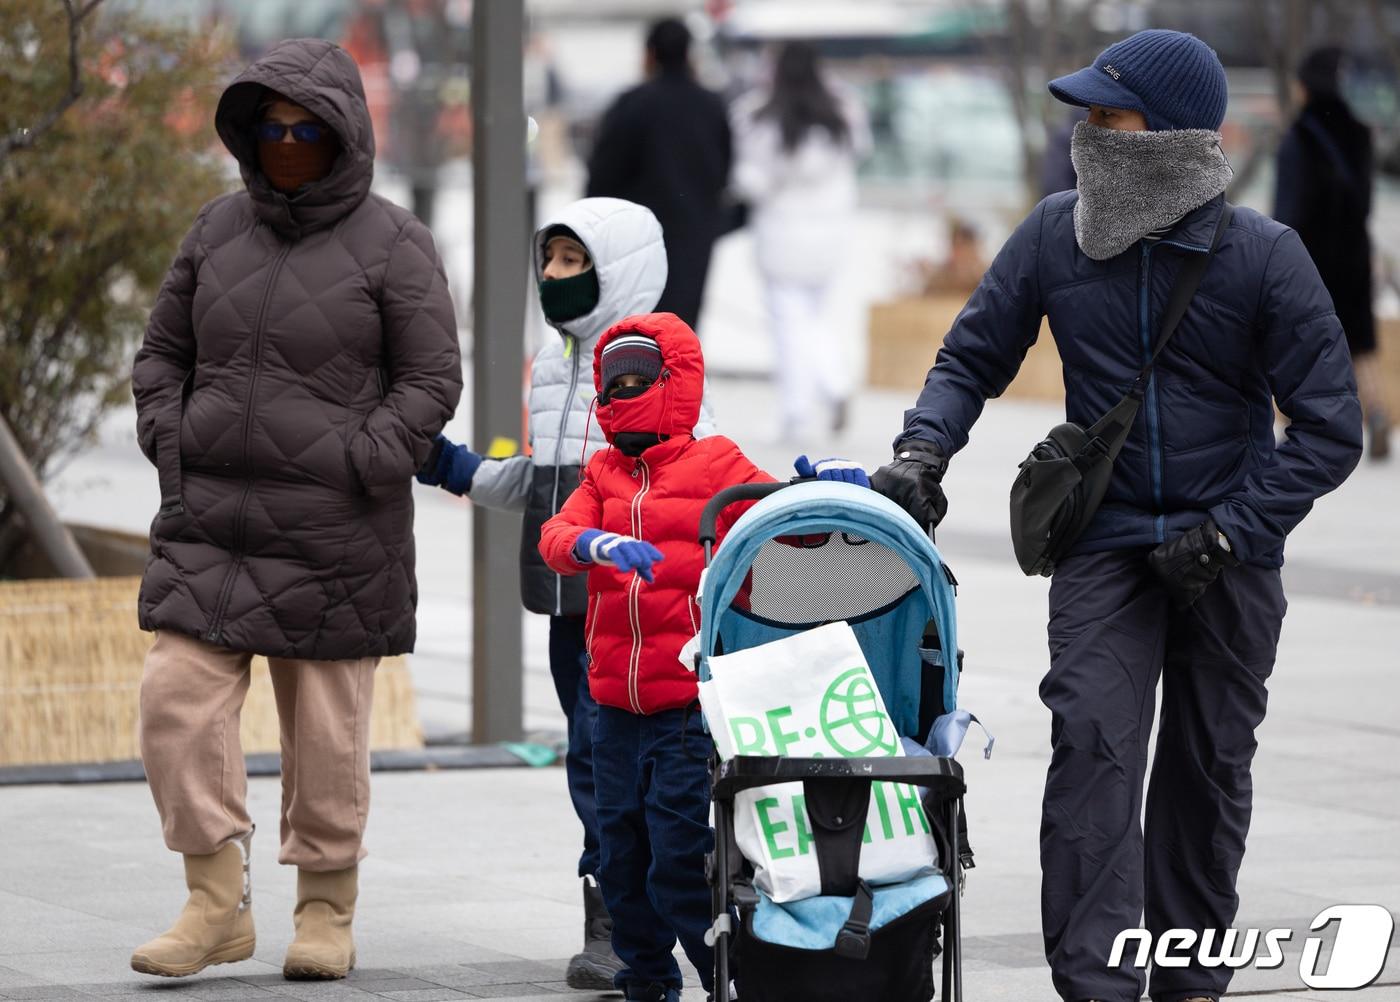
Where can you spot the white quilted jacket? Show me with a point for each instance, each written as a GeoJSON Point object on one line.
{"type": "Point", "coordinates": [625, 243]}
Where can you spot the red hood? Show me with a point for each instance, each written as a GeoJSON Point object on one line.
{"type": "Point", "coordinates": [671, 406]}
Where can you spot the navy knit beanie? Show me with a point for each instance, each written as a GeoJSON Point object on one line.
{"type": "Point", "coordinates": [1173, 78]}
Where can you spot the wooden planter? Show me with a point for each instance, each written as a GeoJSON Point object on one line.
{"type": "Point", "coordinates": [71, 657]}
{"type": "Point", "coordinates": [905, 336]}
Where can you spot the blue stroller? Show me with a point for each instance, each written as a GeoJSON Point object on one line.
{"type": "Point", "coordinates": [846, 554]}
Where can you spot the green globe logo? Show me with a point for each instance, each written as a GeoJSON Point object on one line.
{"type": "Point", "coordinates": [851, 719]}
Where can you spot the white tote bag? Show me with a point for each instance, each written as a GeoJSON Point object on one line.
{"type": "Point", "coordinates": [811, 695]}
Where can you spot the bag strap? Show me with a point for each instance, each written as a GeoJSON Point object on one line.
{"type": "Point", "coordinates": [1111, 430]}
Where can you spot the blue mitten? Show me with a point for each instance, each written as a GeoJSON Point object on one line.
{"type": "Point", "coordinates": [450, 467]}
{"type": "Point", "coordinates": [594, 546]}
{"type": "Point", "coordinates": [840, 470]}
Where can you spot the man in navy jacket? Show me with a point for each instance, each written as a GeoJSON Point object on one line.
{"type": "Point", "coordinates": [1177, 577]}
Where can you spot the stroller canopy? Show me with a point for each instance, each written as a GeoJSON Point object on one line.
{"type": "Point", "coordinates": [855, 556]}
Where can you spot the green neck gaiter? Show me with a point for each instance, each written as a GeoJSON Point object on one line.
{"type": "Point", "coordinates": [565, 299]}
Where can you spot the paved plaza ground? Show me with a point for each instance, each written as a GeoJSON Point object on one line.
{"type": "Point", "coordinates": [469, 890]}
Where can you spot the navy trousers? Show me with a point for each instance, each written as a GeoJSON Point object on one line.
{"type": "Point", "coordinates": [1113, 634]}
{"type": "Point", "coordinates": [568, 665]}
{"type": "Point", "coordinates": [653, 781]}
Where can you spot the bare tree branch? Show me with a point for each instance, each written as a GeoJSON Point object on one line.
{"type": "Point", "coordinates": [23, 138]}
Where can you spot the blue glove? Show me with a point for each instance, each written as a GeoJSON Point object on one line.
{"type": "Point", "coordinates": [840, 470]}
{"type": "Point", "coordinates": [594, 546]}
{"type": "Point", "coordinates": [449, 466]}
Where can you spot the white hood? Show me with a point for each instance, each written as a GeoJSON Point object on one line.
{"type": "Point", "coordinates": [624, 240]}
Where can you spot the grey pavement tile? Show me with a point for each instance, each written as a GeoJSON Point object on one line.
{"type": "Point", "coordinates": [316, 991]}
{"type": "Point", "coordinates": [362, 974]}
{"type": "Point", "coordinates": [520, 971]}
{"type": "Point", "coordinates": [100, 966]}
{"type": "Point", "coordinates": [424, 995]}
{"type": "Point", "coordinates": [10, 978]}
{"type": "Point", "coordinates": [450, 976]}
{"type": "Point", "coordinates": [47, 993]}
{"type": "Point", "coordinates": [30, 925]}
{"type": "Point", "coordinates": [1016, 950]}
{"type": "Point", "coordinates": [224, 990]}
{"type": "Point", "coordinates": [516, 991]}
{"type": "Point", "coordinates": [394, 984]}
{"type": "Point", "coordinates": [454, 976]}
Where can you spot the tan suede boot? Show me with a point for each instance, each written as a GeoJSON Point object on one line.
{"type": "Point", "coordinates": [323, 948]}
{"type": "Point", "coordinates": [216, 926]}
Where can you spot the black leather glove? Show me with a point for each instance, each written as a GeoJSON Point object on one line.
{"type": "Point", "coordinates": [914, 481]}
{"type": "Point", "coordinates": [1190, 563]}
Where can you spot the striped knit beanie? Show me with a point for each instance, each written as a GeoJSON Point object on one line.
{"type": "Point", "coordinates": [630, 354]}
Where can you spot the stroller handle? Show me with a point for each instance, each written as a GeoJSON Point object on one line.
{"type": "Point", "coordinates": [733, 495]}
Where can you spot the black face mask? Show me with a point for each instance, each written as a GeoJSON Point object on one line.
{"type": "Point", "coordinates": [624, 393]}
{"type": "Point", "coordinates": [634, 443]}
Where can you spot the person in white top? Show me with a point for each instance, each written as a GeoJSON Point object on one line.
{"type": "Point", "coordinates": [797, 147]}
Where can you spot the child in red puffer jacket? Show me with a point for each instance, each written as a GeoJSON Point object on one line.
{"type": "Point", "coordinates": [632, 524]}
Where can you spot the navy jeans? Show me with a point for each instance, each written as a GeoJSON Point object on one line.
{"type": "Point", "coordinates": [653, 779]}
{"type": "Point", "coordinates": [568, 665]}
{"type": "Point", "coordinates": [1113, 635]}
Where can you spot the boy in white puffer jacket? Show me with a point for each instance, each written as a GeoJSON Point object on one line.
{"type": "Point", "coordinates": [597, 261]}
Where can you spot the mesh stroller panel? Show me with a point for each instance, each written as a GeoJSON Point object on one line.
{"type": "Point", "coordinates": [830, 576]}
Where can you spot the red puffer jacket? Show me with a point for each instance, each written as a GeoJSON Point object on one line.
{"type": "Point", "coordinates": [636, 630]}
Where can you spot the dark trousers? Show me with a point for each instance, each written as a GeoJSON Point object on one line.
{"type": "Point", "coordinates": [568, 665]}
{"type": "Point", "coordinates": [654, 816]}
{"type": "Point", "coordinates": [1113, 635]}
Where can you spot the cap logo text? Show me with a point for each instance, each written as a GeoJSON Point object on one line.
{"type": "Point", "coordinates": [1111, 71]}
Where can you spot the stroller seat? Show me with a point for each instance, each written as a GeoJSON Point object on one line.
{"type": "Point", "coordinates": [814, 923]}
{"type": "Point", "coordinates": [806, 555]}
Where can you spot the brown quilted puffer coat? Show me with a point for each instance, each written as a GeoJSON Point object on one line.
{"type": "Point", "coordinates": [298, 361]}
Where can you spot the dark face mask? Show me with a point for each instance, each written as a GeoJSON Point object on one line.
{"type": "Point", "coordinates": [565, 299]}
{"type": "Point", "coordinates": [634, 443]}
{"type": "Point", "coordinates": [288, 166]}
{"type": "Point", "coordinates": [624, 393]}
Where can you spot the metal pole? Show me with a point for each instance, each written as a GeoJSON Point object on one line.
{"type": "Point", "coordinates": [49, 533]}
{"type": "Point", "coordinates": [498, 325]}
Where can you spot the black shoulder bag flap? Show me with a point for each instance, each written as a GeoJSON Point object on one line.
{"type": "Point", "coordinates": [1064, 479]}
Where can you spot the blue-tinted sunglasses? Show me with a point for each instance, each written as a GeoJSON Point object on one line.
{"type": "Point", "coordinates": [302, 132]}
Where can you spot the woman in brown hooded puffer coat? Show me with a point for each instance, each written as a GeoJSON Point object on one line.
{"type": "Point", "coordinates": [298, 361]}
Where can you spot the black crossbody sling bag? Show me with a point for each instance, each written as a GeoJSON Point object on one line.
{"type": "Point", "coordinates": [1064, 479]}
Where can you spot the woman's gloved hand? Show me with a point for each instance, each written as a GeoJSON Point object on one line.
{"type": "Point", "coordinates": [1190, 563]}
{"type": "Point", "coordinates": [914, 481]}
{"type": "Point", "coordinates": [449, 466]}
{"type": "Point", "coordinates": [626, 553]}
{"type": "Point", "coordinates": [842, 471]}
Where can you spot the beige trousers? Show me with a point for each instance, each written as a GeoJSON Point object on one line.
{"type": "Point", "coordinates": [191, 698]}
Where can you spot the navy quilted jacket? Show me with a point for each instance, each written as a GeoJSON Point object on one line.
{"type": "Point", "coordinates": [1260, 329]}
{"type": "Point", "coordinates": [297, 362]}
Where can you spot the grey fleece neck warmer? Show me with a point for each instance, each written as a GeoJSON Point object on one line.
{"type": "Point", "coordinates": [1131, 183]}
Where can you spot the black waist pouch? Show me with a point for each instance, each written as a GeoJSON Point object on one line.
{"type": "Point", "coordinates": [1063, 481]}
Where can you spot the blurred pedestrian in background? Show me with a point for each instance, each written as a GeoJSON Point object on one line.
{"type": "Point", "coordinates": [1177, 575]}
{"type": "Point", "coordinates": [665, 144]}
{"type": "Point", "coordinates": [1324, 192]}
{"type": "Point", "coordinates": [797, 148]}
{"type": "Point", "coordinates": [297, 363]}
